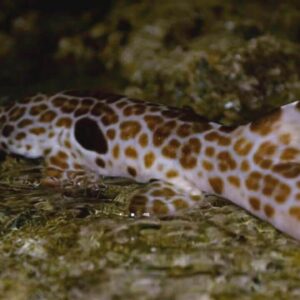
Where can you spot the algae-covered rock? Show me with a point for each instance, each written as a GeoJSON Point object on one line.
{"type": "Point", "coordinates": [54, 244]}
{"type": "Point", "coordinates": [201, 55]}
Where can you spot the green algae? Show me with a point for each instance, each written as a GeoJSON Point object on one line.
{"type": "Point", "coordinates": [227, 60]}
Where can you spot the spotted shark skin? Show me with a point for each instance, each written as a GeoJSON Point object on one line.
{"type": "Point", "coordinates": [91, 134]}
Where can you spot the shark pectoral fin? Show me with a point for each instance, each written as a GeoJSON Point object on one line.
{"type": "Point", "coordinates": [162, 198]}
{"type": "Point", "coordinates": [57, 173]}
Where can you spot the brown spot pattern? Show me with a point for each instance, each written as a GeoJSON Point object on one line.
{"type": "Point", "coordinates": [172, 173]}
{"type": "Point", "coordinates": [116, 151]}
{"type": "Point", "coordinates": [16, 113]}
{"type": "Point", "coordinates": [37, 130]}
{"type": "Point", "coordinates": [242, 146]}
{"type": "Point", "coordinates": [225, 161]}
{"type": "Point", "coordinates": [111, 133]}
{"type": "Point", "coordinates": [131, 171]}
{"type": "Point", "coordinates": [69, 105]}
{"type": "Point", "coordinates": [64, 122]}
{"type": "Point", "coordinates": [109, 116]}
{"type": "Point", "coordinates": [24, 123]}
{"type": "Point", "coordinates": [129, 129]}
{"type": "Point", "coordinates": [288, 170]}
{"type": "Point", "coordinates": [162, 133]}
{"type": "Point", "coordinates": [59, 160]}
{"type": "Point", "coordinates": [184, 130]}
{"type": "Point", "coordinates": [187, 161]}
{"type": "Point", "coordinates": [218, 138]}
{"type": "Point", "coordinates": [207, 165]}
{"type": "Point", "coordinates": [48, 116]}
{"type": "Point", "coordinates": [153, 121]}
{"type": "Point", "coordinates": [20, 136]}
{"type": "Point", "coordinates": [131, 152]}
{"type": "Point", "coordinates": [121, 104]}
{"type": "Point", "coordinates": [67, 143]}
{"type": "Point", "coordinates": [189, 153]}
{"type": "Point", "coordinates": [163, 192]}
{"type": "Point", "coordinates": [7, 130]}
{"type": "Point", "coordinates": [269, 210]}
{"type": "Point", "coordinates": [289, 153]}
{"type": "Point", "coordinates": [62, 155]}
{"type": "Point", "coordinates": [37, 109]}
{"type": "Point", "coordinates": [143, 140]}
{"type": "Point", "coordinates": [100, 162]}
{"type": "Point", "coordinates": [87, 102]}
{"type": "Point", "coordinates": [282, 192]}
{"type": "Point", "coordinates": [245, 166]}
{"type": "Point", "coordinates": [265, 125]}
{"type": "Point", "coordinates": [285, 138]}
{"type": "Point", "coordinates": [135, 109]}
{"type": "Point", "coordinates": [81, 110]}
{"type": "Point", "coordinates": [269, 184]}
{"type": "Point", "coordinates": [217, 184]}
{"type": "Point", "coordinates": [59, 101]}
{"type": "Point", "coordinates": [253, 181]}
{"type": "Point", "coordinates": [170, 150]}
{"type": "Point", "coordinates": [149, 159]}
{"type": "Point", "coordinates": [210, 151]}
{"type": "Point", "coordinates": [273, 187]}
{"type": "Point", "coordinates": [2, 119]}
{"type": "Point", "coordinates": [179, 203]}
{"type": "Point", "coordinates": [200, 127]}
{"type": "Point", "coordinates": [294, 211]}
{"type": "Point", "coordinates": [78, 166]}
{"type": "Point", "coordinates": [265, 150]}
{"type": "Point", "coordinates": [255, 203]}
{"type": "Point", "coordinates": [234, 180]}
{"type": "Point", "coordinates": [159, 207]}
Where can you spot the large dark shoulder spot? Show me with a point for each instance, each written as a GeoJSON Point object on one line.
{"type": "Point", "coordinates": [89, 136]}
